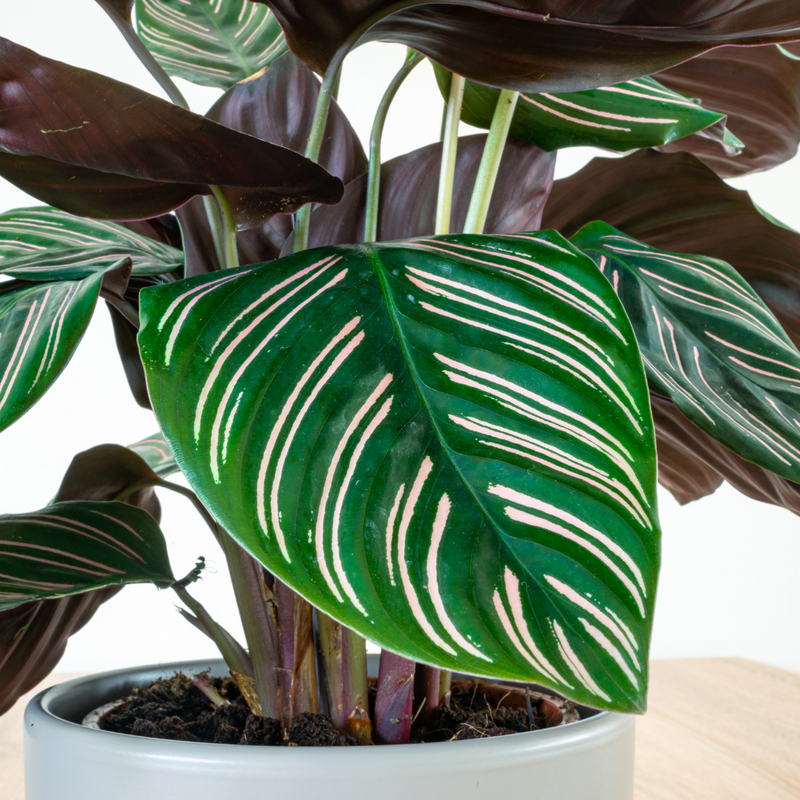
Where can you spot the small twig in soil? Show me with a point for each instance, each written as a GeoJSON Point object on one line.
{"type": "Point", "coordinates": [210, 692]}
{"type": "Point", "coordinates": [417, 712]}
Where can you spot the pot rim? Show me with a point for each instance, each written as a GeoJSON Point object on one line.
{"type": "Point", "coordinates": [40, 712]}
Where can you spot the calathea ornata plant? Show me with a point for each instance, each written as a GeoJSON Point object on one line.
{"type": "Point", "coordinates": [409, 409]}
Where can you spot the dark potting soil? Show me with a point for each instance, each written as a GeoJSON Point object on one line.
{"type": "Point", "coordinates": [478, 710]}
{"type": "Point", "coordinates": [176, 709]}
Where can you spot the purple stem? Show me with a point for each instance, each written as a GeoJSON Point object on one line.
{"type": "Point", "coordinates": [394, 701]}
{"type": "Point", "coordinates": [426, 694]}
{"type": "Point", "coordinates": [298, 676]}
{"type": "Point", "coordinates": [258, 622]}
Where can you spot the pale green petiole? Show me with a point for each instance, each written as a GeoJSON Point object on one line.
{"type": "Point", "coordinates": [490, 162]}
{"type": "Point", "coordinates": [374, 178]}
{"type": "Point", "coordinates": [444, 201]}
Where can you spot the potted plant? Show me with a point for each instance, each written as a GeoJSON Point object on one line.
{"type": "Point", "coordinates": [414, 411]}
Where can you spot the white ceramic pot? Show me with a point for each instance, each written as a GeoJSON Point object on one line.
{"type": "Point", "coordinates": [587, 760]}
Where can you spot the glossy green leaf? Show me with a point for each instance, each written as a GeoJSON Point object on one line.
{"type": "Point", "coordinates": [216, 43]}
{"type": "Point", "coordinates": [74, 547]}
{"type": "Point", "coordinates": [684, 451]}
{"type": "Point", "coordinates": [445, 443]}
{"type": "Point", "coordinates": [40, 327]}
{"type": "Point", "coordinates": [674, 202]}
{"type": "Point", "coordinates": [33, 636]}
{"type": "Point", "coordinates": [45, 244]}
{"type": "Point", "coordinates": [156, 453]}
{"type": "Point", "coordinates": [710, 344]}
{"type": "Point", "coordinates": [628, 116]}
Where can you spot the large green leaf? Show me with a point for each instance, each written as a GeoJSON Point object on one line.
{"type": "Point", "coordinates": [216, 43]}
{"type": "Point", "coordinates": [44, 244]}
{"type": "Point", "coordinates": [40, 327]}
{"type": "Point", "coordinates": [640, 113]}
{"type": "Point", "coordinates": [69, 548]}
{"type": "Point", "coordinates": [710, 344]}
{"type": "Point", "coordinates": [445, 443]}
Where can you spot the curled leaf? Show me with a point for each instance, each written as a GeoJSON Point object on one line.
{"type": "Point", "coordinates": [758, 88]}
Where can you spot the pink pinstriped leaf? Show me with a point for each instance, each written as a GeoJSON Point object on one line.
{"type": "Point", "coordinates": [444, 443]}
{"type": "Point", "coordinates": [74, 547]}
{"type": "Point", "coordinates": [710, 344]}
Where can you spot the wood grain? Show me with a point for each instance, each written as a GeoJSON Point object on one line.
{"type": "Point", "coordinates": [716, 729]}
{"type": "Point", "coordinates": [722, 729]}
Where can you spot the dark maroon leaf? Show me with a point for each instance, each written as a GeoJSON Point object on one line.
{"type": "Point", "coordinates": [97, 147]}
{"type": "Point", "coordinates": [676, 203]}
{"type": "Point", "coordinates": [759, 89]}
{"type": "Point", "coordinates": [121, 7]}
{"type": "Point", "coordinates": [409, 186]}
{"type": "Point", "coordinates": [33, 636]}
{"type": "Point", "coordinates": [684, 451]}
{"type": "Point", "coordinates": [538, 45]}
{"type": "Point", "coordinates": [275, 105]}
{"type": "Point", "coordinates": [199, 251]}
{"type": "Point", "coordinates": [103, 472]}
{"type": "Point", "coordinates": [125, 338]}
{"type": "Point", "coordinates": [681, 471]}
{"type": "Point", "coordinates": [164, 229]}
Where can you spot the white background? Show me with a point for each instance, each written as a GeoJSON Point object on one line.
{"type": "Point", "coordinates": [729, 583]}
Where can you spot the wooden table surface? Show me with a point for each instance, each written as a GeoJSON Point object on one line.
{"type": "Point", "coordinates": [717, 729]}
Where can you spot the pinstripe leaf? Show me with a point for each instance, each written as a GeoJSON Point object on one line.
{"type": "Point", "coordinates": [74, 547]}
{"type": "Point", "coordinates": [211, 42]}
{"type": "Point", "coordinates": [445, 443]}
{"type": "Point", "coordinates": [40, 327]}
{"type": "Point", "coordinates": [710, 344]}
{"type": "Point", "coordinates": [45, 244]}
{"type": "Point", "coordinates": [627, 116]}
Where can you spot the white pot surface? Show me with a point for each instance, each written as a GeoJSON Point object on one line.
{"type": "Point", "coordinates": [587, 760]}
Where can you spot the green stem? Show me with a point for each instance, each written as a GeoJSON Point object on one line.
{"type": "Point", "coordinates": [444, 202]}
{"type": "Point", "coordinates": [230, 252]}
{"type": "Point", "coordinates": [374, 177]}
{"type": "Point", "coordinates": [490, 162]}
{"type": "Point", "coordinates": [144, 55]}
{"type": "Point", "coordinates": [315, 145]}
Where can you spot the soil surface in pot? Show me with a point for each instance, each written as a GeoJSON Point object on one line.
{"type": "Point", "coordinates": [176, 709]}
